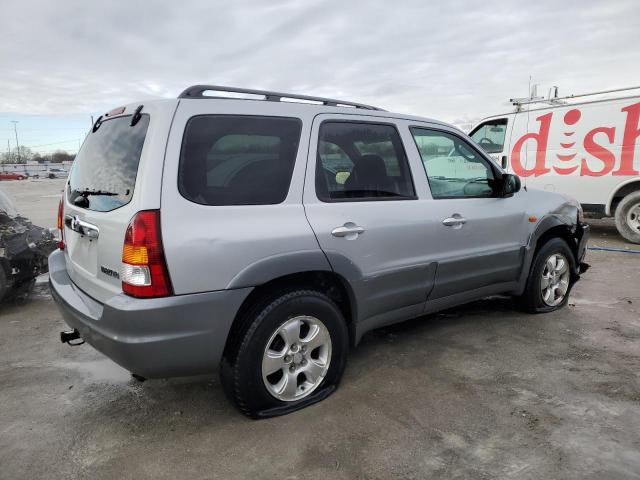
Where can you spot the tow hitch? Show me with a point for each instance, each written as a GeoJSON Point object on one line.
{"type": "Point", "coordinates": [70, 336]}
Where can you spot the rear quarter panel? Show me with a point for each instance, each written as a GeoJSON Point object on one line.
{"type": "Point", "coordinates": [207, 247]}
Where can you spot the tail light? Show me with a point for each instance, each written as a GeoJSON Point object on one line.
{"type": "Point", "coordinates": [144, 269]}
{"type": "Point", "coordinates": [61, 223]}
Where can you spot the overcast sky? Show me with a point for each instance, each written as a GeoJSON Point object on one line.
{"type": "Point", "coordinates": [452, 60]}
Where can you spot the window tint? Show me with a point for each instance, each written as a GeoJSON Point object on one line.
{"type": "Point", "coordinates": [361, 161]}
{"type": "Point", "coordinates": [238, 160]}
{"type": "Point", "coordinates": [453, 167]}
{"type": "Point", "coordinates": [490, 135]}
{"type": "Point", "coordinates": [107, 164]}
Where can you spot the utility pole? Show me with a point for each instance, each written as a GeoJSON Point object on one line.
{"type": "Point", "coordinates": [15, 129]}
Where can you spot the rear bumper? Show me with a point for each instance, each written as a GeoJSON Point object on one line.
{"type": "Point", "coordinates": [154, 338]}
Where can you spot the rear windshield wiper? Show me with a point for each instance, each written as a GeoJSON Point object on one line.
{"type": "Point", "coordinates": [87, 192]}
{"type": "Point", "coordinates": [82, 196]}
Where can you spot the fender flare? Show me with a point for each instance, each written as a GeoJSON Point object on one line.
{"type": "Point", "coordinates": [275, 266]}
{"type": "Point", "coordinates": [547, 222]}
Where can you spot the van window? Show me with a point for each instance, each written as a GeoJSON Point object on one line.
{"type": "Point", "coordinates": [238, 160]}
{"type": "Point", "coordinates": [105, 169]}
{"type": "Point", "coordinates": [360, 161]}
{"type": "Point", "coordinates": [454, 169]}
{"type": "Point", "coordinates": [490, 135]}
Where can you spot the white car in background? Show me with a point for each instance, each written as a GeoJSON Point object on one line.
{"type": "Point", "coordinates": [55, 173]}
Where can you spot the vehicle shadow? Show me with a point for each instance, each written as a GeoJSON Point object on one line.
{"type": "Point", "coordinates": [191, 402]}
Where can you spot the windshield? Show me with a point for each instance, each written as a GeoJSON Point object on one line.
{"type": "Point", "coordinates": [490, 135]}
{"type": "Point", "coordinates": [104, 172]}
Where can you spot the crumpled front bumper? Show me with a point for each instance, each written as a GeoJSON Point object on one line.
{"type": "Point", "coordinates": [583, 232]}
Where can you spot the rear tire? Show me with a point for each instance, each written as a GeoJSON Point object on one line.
{"type": "Point", "coordinates": [305, 335]}
{"type": "Point", "coordinates": [550, 278]}
{"type": "Point", "coordinates": [628, 217]}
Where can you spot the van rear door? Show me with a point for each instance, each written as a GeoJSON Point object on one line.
{"type": "Point", "coordinates": [99, 201]}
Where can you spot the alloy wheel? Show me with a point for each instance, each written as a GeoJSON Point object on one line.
{"type": "Point", "coordinates": [554, 282]}
{"type": "Point", "coordinates": [296, 358]}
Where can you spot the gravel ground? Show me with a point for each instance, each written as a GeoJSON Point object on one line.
{"type": "Point", "coordinates": [477, 392]}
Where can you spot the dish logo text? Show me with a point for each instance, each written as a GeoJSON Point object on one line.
{"type": "Point", "coordinates": [596, 142]}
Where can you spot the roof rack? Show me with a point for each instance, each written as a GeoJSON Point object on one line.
{"type": "Point", "coordinates": [555, 100]}
{"type": "Point", "coordinates": [197, 91]}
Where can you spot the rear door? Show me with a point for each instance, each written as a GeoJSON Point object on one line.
{"type": "Point", "coordinates": [115, 174]}
{"type": "Point", "coordinates": [361, 202]}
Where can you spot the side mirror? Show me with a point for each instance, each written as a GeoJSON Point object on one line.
{"type": "Point", "coordinates": [510, 184]}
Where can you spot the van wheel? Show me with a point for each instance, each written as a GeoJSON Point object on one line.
{"type": "Point", "coordinates": [292, 354]}
{"type": "Point", "coordinates": [550, 278]}
{"type": "Point", "coordinates": [628, 217]}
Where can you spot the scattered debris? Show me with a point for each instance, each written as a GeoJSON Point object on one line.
{"type": "Point", "coordinates": [24, 248]}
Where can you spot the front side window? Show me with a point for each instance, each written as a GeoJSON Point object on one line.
{"type": "Point", "coordinates": [361, 161]}
{"type": "Point", "coordinates": [490, 135]}
{"type": "Point", "coordinates": [238, 160]}
{"type": "Point", "coordinates": [454, 169]}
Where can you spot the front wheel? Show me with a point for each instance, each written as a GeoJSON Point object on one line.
{"type": "Point", "coordinates": [292, 354]}
{"type": "Point", "coordinates": [550, 278]}
{"type": "Point", "coordinates": [628, 217]}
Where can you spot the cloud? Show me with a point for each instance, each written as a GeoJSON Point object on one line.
{"type": "Point", "coordinates": [455, 61]}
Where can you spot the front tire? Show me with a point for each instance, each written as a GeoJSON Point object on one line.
{"type": "Point", "coordinates": [628, 217]}
{"type": "Point", "coordinates": [292, 354]}
{"type": "Point", "coordinates": [550, 278]}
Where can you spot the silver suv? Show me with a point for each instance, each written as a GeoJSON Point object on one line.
{"type": "Point", "coordinates": [263, 236]}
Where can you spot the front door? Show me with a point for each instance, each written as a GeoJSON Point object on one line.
{"type": "Point", "coordinates": [477, 237]}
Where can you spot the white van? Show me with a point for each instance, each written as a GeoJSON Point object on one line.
{"type": "Point", "coordinates": [585, 149]}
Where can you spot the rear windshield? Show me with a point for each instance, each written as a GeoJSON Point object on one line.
{"type": "Point", "coordinates": [104, 172]}
{"type": "Point", "coordinates": [238, 160]}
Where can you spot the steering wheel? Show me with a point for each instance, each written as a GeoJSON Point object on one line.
{"type": "Point", "coordinates": [486, 141]}
{"type": "Point", "coordinates": [477, 187]}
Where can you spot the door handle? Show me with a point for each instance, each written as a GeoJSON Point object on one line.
{"type": "Point", "coordinates": [454, 221]}
{"type": "Point", "coordinates": [349, 230]}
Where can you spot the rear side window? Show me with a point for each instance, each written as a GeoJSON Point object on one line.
{"type": "Point", "coordinates": [104, 172]}
{"type": "Point", "coordinates": [238, 160]}
{"type": "Point", "coordinates": [361, 161]}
